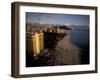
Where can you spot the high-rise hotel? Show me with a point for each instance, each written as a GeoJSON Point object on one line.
{"type": "Point", "coordinates": [34, 41]}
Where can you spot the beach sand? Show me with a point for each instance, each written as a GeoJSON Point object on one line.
{"type": "Point", "coordinates": [67, 52]}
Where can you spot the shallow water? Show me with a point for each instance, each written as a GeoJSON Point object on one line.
{"type": "Point", "coordinates": [80, 37]}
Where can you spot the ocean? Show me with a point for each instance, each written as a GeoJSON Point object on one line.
{"type": "Point", "coordinates": [79, 36]}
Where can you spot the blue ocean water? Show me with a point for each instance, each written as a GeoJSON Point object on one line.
{"type": "Point", "coordinates": [79, 35]}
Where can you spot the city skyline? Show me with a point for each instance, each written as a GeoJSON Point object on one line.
{"type": "Point", "coordinates": [51, 18]}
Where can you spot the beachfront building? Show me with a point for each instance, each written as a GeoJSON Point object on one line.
{"type": "Point", "coordinates": [56, 28]}
{"type": "Point", "coordinates": [34, 41]}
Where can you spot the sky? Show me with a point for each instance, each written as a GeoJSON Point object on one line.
{"type": "Point", "coordinates": [52, 18]}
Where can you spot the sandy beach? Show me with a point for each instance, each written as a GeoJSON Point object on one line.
{"type": "Point", "coordinates": [67, 52]}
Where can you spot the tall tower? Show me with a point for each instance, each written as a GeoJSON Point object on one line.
{"type": "Point", "coordinates": [58, 30]}
{"type": "Point", "coordinates": [35, 43]}
{"type": "Point", "coordinates": [38, 43]}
